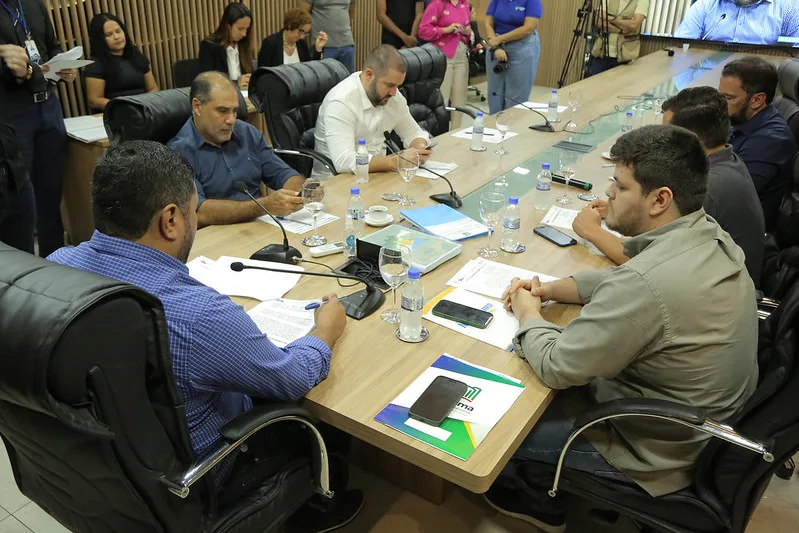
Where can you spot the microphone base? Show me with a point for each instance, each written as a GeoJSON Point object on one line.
{"type": "Point", "coordinates": [275, 253]}
{"type": "Point", "coordinates": [547, 128]}
{"type": "Point", "coordinates": [450, 199]}
{"type": "Point", "coordinates": [363, 303]}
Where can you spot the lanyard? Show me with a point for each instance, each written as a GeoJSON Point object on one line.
{"type": "Point", "coordinates": [20, 16]}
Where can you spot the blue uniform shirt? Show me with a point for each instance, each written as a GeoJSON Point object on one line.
{"type": "Point", "coordinates": [723, 20]}
{"type": "Point", "coordinates": [510, 14]}
{"type": "Point", "coordinates": [245, 157]}
{"type": "Point", "coordinates": [219, 356]}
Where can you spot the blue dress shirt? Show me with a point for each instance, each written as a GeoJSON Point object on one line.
{"type": "Point", "coordinates": [767, 146]}
{"type": "Point", "coordinates": [510, 14]}
{"type": "Point", "coordinates": [245, 157]}
{"type": "Point", "coordinates": [761, 23]}
{"type": "Point", "coordinates": [219, 356]}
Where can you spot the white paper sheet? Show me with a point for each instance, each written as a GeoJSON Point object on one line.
{"type": "Point", "coordinates": [259, 284]}
{"type": "Point", "coordinates": [560, 217]}
{"type": "Point", "coordinates": [540, 107]}
{"type": "Point", "coordinates": [69, 59]}
{"type": "Point", "coordinates": [436, 166]}
{"type": "Point", "coordinates": [491, 278]}
{"type": "Point", "coordinates": [301, 221]}
{"type": "Point", "coordinates": [490, 135]}
{"type": "Point", "coordinates": [283, 321]}
{"type": "Point", "coordinates": [86, 129]}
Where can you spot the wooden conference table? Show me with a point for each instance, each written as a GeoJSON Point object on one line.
{"type": "Point", "coordinates": [370, 366]}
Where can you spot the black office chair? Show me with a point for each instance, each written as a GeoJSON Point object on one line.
{"type": "Point", "coordinates": [788, 103]}
{"type": "Point", "coordinates": [427, 65]}
{"type": "Point", "coordinates": [184, 71]}
{"type": "Point", "coordinates": [94, 425]}
{"type": "Point", "coordinates": [781, 258]}
{"type": "Point", "coordinates": [290, 96]}
{"type": "Point", "coordinates": [733, 471]}
{"type": "Point", "coordinates": [152, 116]}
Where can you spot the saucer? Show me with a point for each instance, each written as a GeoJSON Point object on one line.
{"type": "Point", "coordinates": [382, 222]}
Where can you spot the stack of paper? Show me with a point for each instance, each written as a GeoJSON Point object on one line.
{"type": "Point", "coordinates": [490, 135]}
{"type": "Point", "coordinates": [437, 167]}
{"type": "Point", "coordinates": [442, 220]}
{"type": "Point", "coordinates": [283, 321]}
{"type": "Point", "coordinates": [86, 129]}
{"type": "Point", "coordinates": [65, 60]}
{"type": "Point", "coordinates": [491, 278]}
{"type": "Point", "coordinates": [301, 221]}
{"type": "Point", "coordinates": [259, 284]}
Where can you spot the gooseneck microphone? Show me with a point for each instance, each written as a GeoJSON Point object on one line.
{"type": "Point", "coordinates": [274, 253]}
{"type": "Point", "coordinates": [713, 26]}
{"type": "Point", "coordinates": [450, 199]}
{"type": "Point", "coordinates": [546, 127]}
{"type": "Point", "coordinates": [357, 305]}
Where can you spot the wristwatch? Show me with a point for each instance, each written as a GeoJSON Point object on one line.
{"type": "Point", "coordinates": [29, 74]}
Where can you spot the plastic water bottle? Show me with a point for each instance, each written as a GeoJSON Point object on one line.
{"type": "Point", "coordinates": [501, 186]}
{"type": "Point", "coordinates": [361, 163]}
{"type": "Point", "coordinates": [477, 132]}
{"type": "Point", "coordinates": [552, 110]}
{"type": "Point", "coordinates": [412, 303]}
{"type": "Point", "coordinates": [349, 236]}
{"type": "Point", "coordinates": [355, 212]}
{"type": "Point", "coordinates": [543, 185]}
{"type": "Point", "coordinates": [628, 123]}
{"type": "Point", "coordinates": [511, 224]}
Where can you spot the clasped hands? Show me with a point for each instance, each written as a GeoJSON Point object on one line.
{"type": "Point", "coordinates": [524, 298]}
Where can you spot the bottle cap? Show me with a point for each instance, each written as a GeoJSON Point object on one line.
{"type": "Point", "coordinates": [629, 113]}
{"type": "Point", "coordinates": [355, 190]}
{"type": "Point", "coordinates": [554, 91]}
{"type": "Point", "coordinates": [513, 200]}
{"type": "Point", "coordinates": [479, 113]}
{"type": "Point", "coordinates": [362, 141]}
{"type": "Point", "coordinates": [545, 166]}
{"type": "Point", "coordinates": [413, 273]}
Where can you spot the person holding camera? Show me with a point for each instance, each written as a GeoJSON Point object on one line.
{"type": "Point", "coordinates": [514, 49]}
{"type": "Point", "coordinates": [447, 24]}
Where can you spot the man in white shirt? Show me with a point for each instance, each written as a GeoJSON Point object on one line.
{"type": "Point", "coordinates": [363, 106]}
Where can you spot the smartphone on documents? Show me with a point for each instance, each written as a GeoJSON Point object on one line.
{"type": "Point", "coordinates": [463, 314]}
{"type": "Point", "coordinates": [554, 236]}
{"type": "Point", "coordinates": [438, 400]}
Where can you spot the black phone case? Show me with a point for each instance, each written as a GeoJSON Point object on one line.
{"type": "Point", "coordinates": [571, 242]}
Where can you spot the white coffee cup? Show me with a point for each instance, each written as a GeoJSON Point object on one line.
{"type": "Point", "coordinates": [378, 213]}
{"type": "Point", "coordinates": [685, 47]}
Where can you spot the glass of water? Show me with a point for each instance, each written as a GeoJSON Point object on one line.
{"type": "Point", "coordinates": [491, 204]}
{"type": "Point", "coordinates": [313, 193]}
{"type": "Point", "coordinates": [407, 166]}
{"type": "Point", "coordinates": [575, 101]}
{"type": "Point", "coordinates": [394, 268]}
{"type": "Point", "coordinates": [503, 126]}
{"type": "Point", "coordinates": [568, 175]}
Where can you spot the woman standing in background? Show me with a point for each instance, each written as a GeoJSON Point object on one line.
{"type": "Point", "coordinates": [447, 24]}
{"type": "Point", "coordinates": [514, 49]}
{"type": "Point", "coordinates": [228, 49]}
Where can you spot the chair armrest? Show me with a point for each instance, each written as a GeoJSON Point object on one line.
{"type": "Point", "coordinates": [310, 154]}
{"type": "Point", "coordinates": [463, 110]}
{"type": "Point", "coordinates": [669, 411]}
{"type": "Point", "coordinates": [236, 432]}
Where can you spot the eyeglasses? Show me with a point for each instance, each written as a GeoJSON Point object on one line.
{"type": "Point", "coordinates": [302, 32]}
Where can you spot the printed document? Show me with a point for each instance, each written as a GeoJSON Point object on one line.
{"type": "Point", "coordinates": [491, 278]}
{"type": "Point", "coordinates": [283, 321]}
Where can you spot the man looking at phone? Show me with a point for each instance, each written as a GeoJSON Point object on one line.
{"type": "Point", "coordinates": [676, 322]}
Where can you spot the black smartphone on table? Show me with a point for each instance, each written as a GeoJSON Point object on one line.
{"type": "Point", "coordinates": [438, 400]}
{"type": "Point", "coordinates": [463, 314]}
{"type": "Point", "coordinates": [554, 236]}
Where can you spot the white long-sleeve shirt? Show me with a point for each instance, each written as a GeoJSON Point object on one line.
{"type": "Point", "coordinates": [347, 115]}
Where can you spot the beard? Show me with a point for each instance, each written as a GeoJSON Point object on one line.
{"type": "Point", "coordinates": [375, 98]}
{"type": "Point", "coordinates": [740, 117]}
{"type": "Point", "coordinates": [629, 224]}
{"type": "Point", "coordinates": [188, 242]}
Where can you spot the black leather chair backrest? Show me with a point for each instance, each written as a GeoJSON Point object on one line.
{"type": "Point", "coordinates": [184, 71]}
{"type": "Point", "coordinates": [89, 411]}
{"type": "Point", "coordinates": [786, 232]}
{"type": "Point", "coordinates": [788, 103]}
{"type": "Point", "coordinates": [427, 65]}
{"type": "Point", "coordinates": [290, 96]}
{"type": "Point", "coordinates": [152, 116]}
{"type": "Point", "coordinates": [731, 478]}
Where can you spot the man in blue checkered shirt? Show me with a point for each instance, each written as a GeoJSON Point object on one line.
{"type": "Point", "coordinates": [144, 201]}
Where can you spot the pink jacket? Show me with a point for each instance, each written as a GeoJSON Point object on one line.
{"type": "Point", "coordinates": [440, 14]}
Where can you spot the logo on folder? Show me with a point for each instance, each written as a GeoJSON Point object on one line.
{"type": "Point", "coordinates": [472, 393]}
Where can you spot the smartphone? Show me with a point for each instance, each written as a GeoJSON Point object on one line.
{"type": "Point", "coordinates": [432, 144]}
{"type": "Point", "coordinates": [463, 314]}
{"type": "Point", "coordinates": [554, 236]}
{"type": "Point", "coordinates": [438, 400]}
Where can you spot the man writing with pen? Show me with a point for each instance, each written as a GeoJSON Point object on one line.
{"type": "Point", "coordinates": [224, 150]}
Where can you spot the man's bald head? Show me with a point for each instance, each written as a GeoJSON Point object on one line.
{"type": "Point", "coordinates": [215, 104]}
{"type": "Point", "coordinates": [206, 83]}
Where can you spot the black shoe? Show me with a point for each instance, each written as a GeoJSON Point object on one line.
{"type": "Point", "coordinates": [786, 470]}
{"type": "Point", "coordinates": [545, 515]}
{"type": "Point", "coordinates": [312, 518]}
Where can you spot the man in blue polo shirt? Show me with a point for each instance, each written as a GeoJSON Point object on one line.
{"type": "Point", "coordinates": [760, 136]}
{"type": "Point", "coordinates": [223, 150]}
{"type": "Point", "coordinates": [741, 21]}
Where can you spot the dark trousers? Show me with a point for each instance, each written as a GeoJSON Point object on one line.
{"type": "Point", "coordinates": [16, 217]}
{"type": "Point", "coordinates": [42, 140]}
{"type": "Point", "coordinates": [601, 64]}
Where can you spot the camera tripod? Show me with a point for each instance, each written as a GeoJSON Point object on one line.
{"type": "Point", "coordinates": [589, 28]}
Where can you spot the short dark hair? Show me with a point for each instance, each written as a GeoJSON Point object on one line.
{"type": "Point", "coordinates": [703, 110]}
{"type": "Point", "coordinates": [756, 75]}
{"type": "Point", "coordinates": [666, 156]}
{"type": "Point", "coordinates": [206, 82]}
{"type": "Point", "coordinates": [385, 57]}
{"type": "Point", "coordinates": [133, 182]}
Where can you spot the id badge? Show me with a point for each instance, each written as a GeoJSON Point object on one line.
{"type": "Point", "coordinates": [33, 52]}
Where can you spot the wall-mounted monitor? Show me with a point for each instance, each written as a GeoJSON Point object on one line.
{"type": "Point", "coordinates": [756, 22]}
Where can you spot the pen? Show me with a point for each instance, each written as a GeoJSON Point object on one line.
{"type": "Point", "coordinates": [608, 165]}
{"type": "Point", "coordinates": [484, 134]}
{"type": "Point", "coordinates": [313, 305]}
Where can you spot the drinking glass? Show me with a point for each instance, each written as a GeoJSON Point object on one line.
{"type": "Point", "coordinates": [491, 204]}
{"type": "Point", "coordinates": [568, 174]}
{"type": "Point", "coordinates": [407, 166]}
{"type": "Point", "coordinates": [394, 268]}
{"type": "Point", "coordinates": [575, 101]}
{"type": "Point", "coordinates": [503, 126]}
{"type": "Point", "coordinates": [313, 192]}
